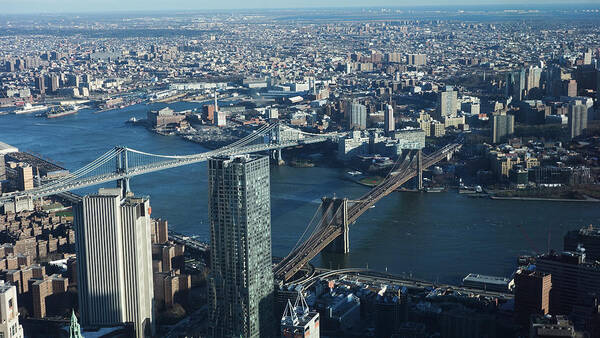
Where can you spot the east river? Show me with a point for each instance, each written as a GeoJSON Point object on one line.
{"type": "Point", "coordinates": [434, 236]}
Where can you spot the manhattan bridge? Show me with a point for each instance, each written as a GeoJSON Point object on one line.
{"type": "Point", "coordinates": [329, 227]}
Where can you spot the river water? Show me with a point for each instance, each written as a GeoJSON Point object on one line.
{"type": "Point", "coordinates": [435, 236]}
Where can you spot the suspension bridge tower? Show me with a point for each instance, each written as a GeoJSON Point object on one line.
{"type": "Point", "coordinates": [338, 216]}
{"type": "Point", "coordinates": [123, 168]}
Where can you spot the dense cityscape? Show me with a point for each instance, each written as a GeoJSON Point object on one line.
{"type": "Point", "coordinates": [336, 172]}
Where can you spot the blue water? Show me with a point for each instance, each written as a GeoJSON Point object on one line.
{"type": "Point", "coordinates": [436, 236]}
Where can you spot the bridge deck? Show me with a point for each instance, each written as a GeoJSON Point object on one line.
{"type": "Point", "coordinates": [326, 232]}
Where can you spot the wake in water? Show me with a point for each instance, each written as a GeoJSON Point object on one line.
{"type": "Point", "coordinates": [296, 198]}
{"type": "Point", "coordinates": [62, 126]}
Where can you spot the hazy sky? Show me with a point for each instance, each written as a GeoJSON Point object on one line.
{"type": "Point", "coordinates": [61, 6]}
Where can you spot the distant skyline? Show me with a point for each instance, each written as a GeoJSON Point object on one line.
{"type": "Point", "coordinates": [74, 6]}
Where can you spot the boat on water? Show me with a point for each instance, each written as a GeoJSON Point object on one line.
{"type": "Point", "coordinates": [29, 108]}
{"type": "Point", "coordinates": [60, 111]}
{"type": "Point", "coordinates": [132, 120]}
{"type": "Point", "coordinates": [353, 175]}
{"type": "Point", "coordinates": [435, 189]}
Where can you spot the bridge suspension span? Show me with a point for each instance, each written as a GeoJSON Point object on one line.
{"type": "Point", "coordinates": [337, 214]}
{"type": "Point", "coordinates": [121, 163]}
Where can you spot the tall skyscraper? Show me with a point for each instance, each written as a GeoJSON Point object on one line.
{"type": "Point", "coordinates": [389, 121]}
{"type": "Point", "coordinates": [447, 103]}
{"type": "Point", "coordinates": [516, 84]}
{"type": "Point", "coordinates": [241, 282]}
{"type": "Point", "coordinates": [520, 85]}
{"type": "Point", "coordinates": [587, 57]}
{"type": "Point", "coordinates": [503, 125]}
{"type": "Point", "coordinates": [574, 279]}
{"type": "Point", "coordinates": [40, 83]}
{"type": "Point", "coordinates": [54, 83]}
{"type": "Point", "coordinates": [532, 294]}
{"type": "Point", "coordinates": [358, 116]}
{"type": "Point", "coordinates": [534, 75]}
{"type": "Point", "coordinates": [25, 177]}
{"type": "Point", "coordinates": [416, 59]}
{"type": "Point", "coordinates": [74, 80]}
{"type": "Point", "coordinates": [578, 116]}
{"type": "Point", "coordinates": [588, 238]}
{"type": "Point", "coordinates": [114, 261]}
{"type": "Point", "coordinates": [9, 312]}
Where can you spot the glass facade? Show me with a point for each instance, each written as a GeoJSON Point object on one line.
{"type": "Point", "coordinates": [241, 282]}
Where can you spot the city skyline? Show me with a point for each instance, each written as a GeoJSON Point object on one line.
{"type": "Point", "coordinates": [358, 171]}
{"type": "Point", "coordinates": [110, 6]}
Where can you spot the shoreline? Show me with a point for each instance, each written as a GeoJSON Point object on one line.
{"type": "Point", "coordinates": [542, 199]}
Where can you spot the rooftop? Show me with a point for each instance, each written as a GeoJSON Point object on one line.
{"type": "Point", "coordinates": [485, 279]}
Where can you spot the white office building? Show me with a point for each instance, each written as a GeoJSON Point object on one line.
{"type": "Point", "coordinates": [114, 261]}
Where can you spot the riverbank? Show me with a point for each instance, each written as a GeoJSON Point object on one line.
{"type": "Point", "coordinates": [589, 199]}
{"type": "Point", "coordinates": [448, 222]}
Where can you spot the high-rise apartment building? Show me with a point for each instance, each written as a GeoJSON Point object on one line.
{"type": "Point", "coordinates": [241, 282]}
{"type": "Point", "coordinates": [54, 83]}
{"type": "Point", "coordinates": [553, 78]}
{"type": "Point", "coordinates": [40, 84]}
{"type": "Point", "coordinates": [587, 57]}
{"type": "Point", "coordinates": [73, 80]}
{"type": "Point", "coordinates": [503, 125]}
{"type": "Point", "coordinates": [534, 75]}
{"type": "Point", "coordinates": [578, 116]}
{"type": "Point", "coordinates": [9, 312]}
{"type": "Point", "coordinates": [573, 279]}
{"type": "Point", "coordinates": [416, 59]}
{"type": "Point", "coordinates": [516, 84]}
{"type": "Point", "coordinates": [358, 116]}
{"type": "Point", "coordinates": [25, 177]}
{"type": "Point", "coordinates": [114, 261]}
{"type": "Point", "coordinates": [570, 88]}
{"type": "Point", "coordinates": [389, 122]}
{"type": "Point", "coordinates": [532, 294]}
{"type": "Point", "coordinates": [588, 238]}
{"type": "Point", "coordinates": [394, 57]}
{"type": "Point", "coordinates": [447, 103]}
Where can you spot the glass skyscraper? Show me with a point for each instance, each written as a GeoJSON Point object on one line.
{"type": "Point", "coordinates": [241, 281]}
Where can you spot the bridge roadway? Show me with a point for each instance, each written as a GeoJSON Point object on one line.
{"type": "Point", "coordinates": [304, 253]}
{"type": "Point", "coordinates": [367, 276]}
{"type": "Point", "coordinates": [52, 189]}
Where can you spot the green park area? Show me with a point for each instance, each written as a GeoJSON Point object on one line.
{"type": "Point", "coordinates": [371, 181]}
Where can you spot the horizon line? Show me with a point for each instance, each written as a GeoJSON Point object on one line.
{"type": "Point", "coordinates": [554, 4]}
